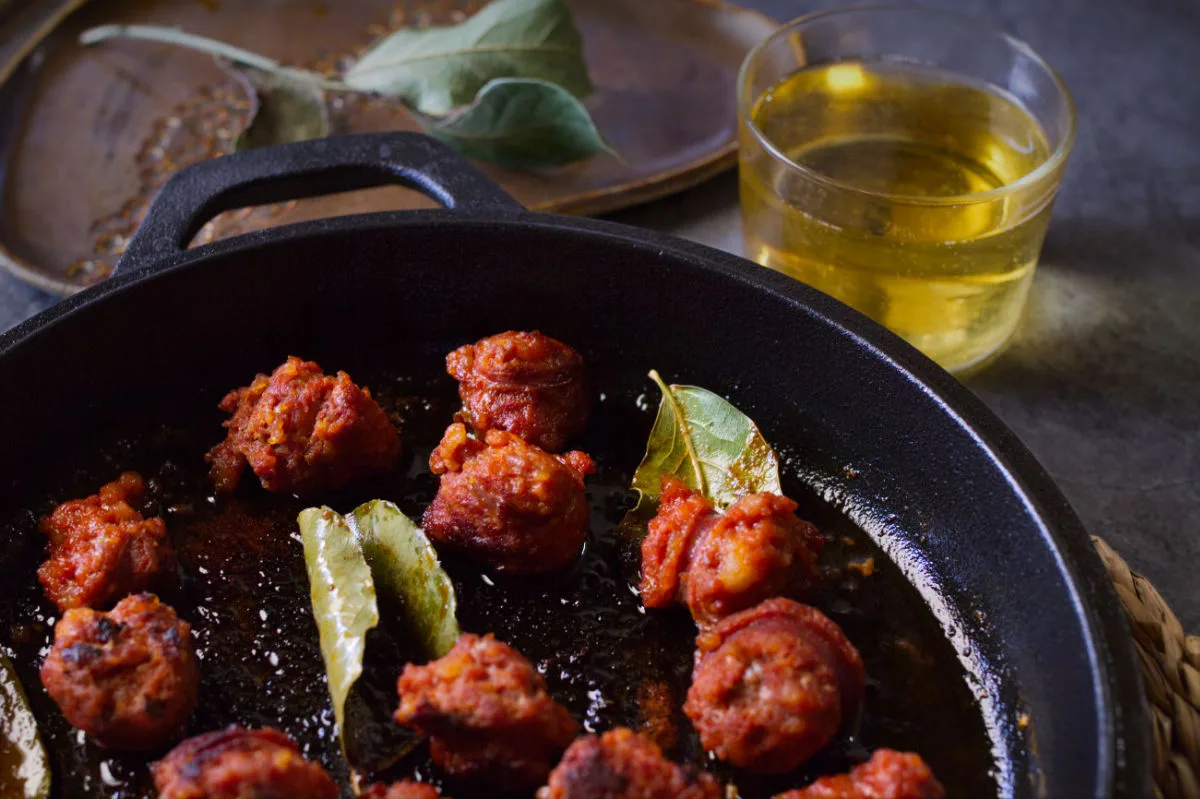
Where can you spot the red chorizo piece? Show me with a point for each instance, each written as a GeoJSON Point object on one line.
{"type": "Point", "coordinates": [717, 564]}
{"type": "Point", "coordinates": [887, 775]}
{"type": "Point", "coordinates": [128, 678]}
{"type": "Point", "coordinates": [487, 714]}
{"type": "Point", "coordinates": [237, 763]}
{"type": "Point", "coordinates": [508, 504]}
{"type": "Point", "coordinates": [405, 789]}
{"type": "Point", "coordinates": [772, 685]}
{"type": "Point", "coordinates": [525, 383]}
{"type": "Point", "coordinates": [302, 431]}
{"type": "Point", "coordinates": [623, 765]}
{"type": "Point", "coordinates": [102, 548]}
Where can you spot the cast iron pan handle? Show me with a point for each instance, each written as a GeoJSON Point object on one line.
{"type": "Point", "coordinates": [307, 169]}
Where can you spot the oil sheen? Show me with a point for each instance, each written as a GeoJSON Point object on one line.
{"type": "Point", "coordinates": [884, 212]}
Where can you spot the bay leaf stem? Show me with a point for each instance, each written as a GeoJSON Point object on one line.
{"type": "Point", "coordinates": [154, 33]}
{"type": "Point", "coordinates": [246, 58]}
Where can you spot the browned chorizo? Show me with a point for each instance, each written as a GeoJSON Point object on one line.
{"type": "Point", "coordinates": [237, 763]}
{"type": "Point", "coordinates": [405, 789]}
{"type": "Point", "coordinates": [102, 548]}
{"type": "Point", "coordinates": [887, 775]}
{"type": "Point", "coordinates": [302, 431]}
{"type": "Point", "coordinates": [525, 383]}
{"type": "Point", "coordinates": [508, 504]}
{"type": "Point", "coordinates": [719, 563]}
{"type": "Point", "coordinates": [772, 685]}
{"type": "Point", "coordinates": [487, 713]}
{"type": "Point", "coordinates": [128, 678]}
{"type": "Point", "coordinates": [620, 764]}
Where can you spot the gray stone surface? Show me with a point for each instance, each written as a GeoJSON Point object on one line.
{"type": "Point", "coordinates": [1103, 378]}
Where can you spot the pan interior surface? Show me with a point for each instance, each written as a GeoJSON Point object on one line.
{"type": "Point", "coordinates": [863, 445]}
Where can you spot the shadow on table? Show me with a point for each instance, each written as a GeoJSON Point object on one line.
{"type": "Point", "coordinates": [1113, 320]}
{"type": "Point", "coordinates": [1102, 382]}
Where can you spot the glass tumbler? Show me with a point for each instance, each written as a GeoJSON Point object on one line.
{"type": "Point", "coordinates": [904, 160]}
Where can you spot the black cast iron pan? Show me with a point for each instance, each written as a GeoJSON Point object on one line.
{"type": "Point", "coordinates": [874, 438]}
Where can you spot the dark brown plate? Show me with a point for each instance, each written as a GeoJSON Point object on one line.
{"type": "Point", "coordinates": [88, 134]}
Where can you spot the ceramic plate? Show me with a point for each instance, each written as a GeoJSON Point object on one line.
{"type": "Point", "coordinates": [88, 135]}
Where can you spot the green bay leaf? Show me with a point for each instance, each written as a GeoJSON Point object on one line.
{"type": "Point", "coordinates": [402, 560]}
{"type": "Point", "coordinates": [350, 558]}
{"type": "Point", "coordinates": [343, 599]}
{"type": "Point", "coordinates": [703, 440]}
{"type": "Point", "coordinates": [439, 69]}
{"type": "Point", "coordinates": [521, 124]}
{"type": "Point", "coordinates": [24, 767]}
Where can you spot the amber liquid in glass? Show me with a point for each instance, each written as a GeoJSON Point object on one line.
{"type": "Point", "coordinates": [885, 144]}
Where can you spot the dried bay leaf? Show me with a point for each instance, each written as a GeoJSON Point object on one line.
{"type": "Point", "coordinates": [24, 766]}
{"type": "Point", "coordinates": [439, 69]}
{"type": "Point", "coordinates": [703, 440]}
{"type": "Point", "coordinates": [348, 559]}
{"type": "Point", "coordinates": [502, 86]}
{"type": "Point", "coordinates": [289, 109]}
{"type": "Point", "coordinates": [521, 124]}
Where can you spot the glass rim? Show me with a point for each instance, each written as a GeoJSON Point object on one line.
{"type": "Point", "coordinates": [1054, 161]}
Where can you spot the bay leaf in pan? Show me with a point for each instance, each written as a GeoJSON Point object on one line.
{"type": "Point", "coordinates": [24, 767]}
{"type": "Point", "coordinates": [348, 559]}
{"type": "Point", "coordinates": [404, 562]}
{"type": "Point", "coordinates": [439, 69]}
{"type": "Point", "coordinates": [702, 439]}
